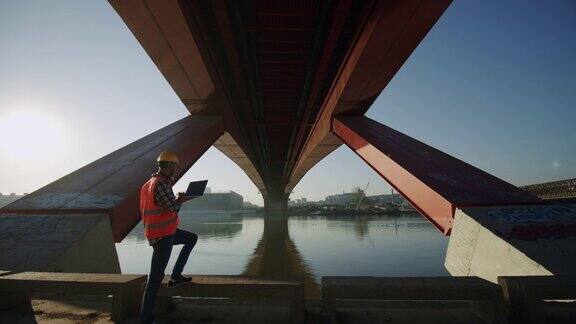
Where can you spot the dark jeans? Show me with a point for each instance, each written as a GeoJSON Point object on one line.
{"type": "Point", "coordinates": [160, 257]}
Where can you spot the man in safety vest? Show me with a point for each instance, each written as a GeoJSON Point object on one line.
{"type": "Point", "coordinates": [159, 209]}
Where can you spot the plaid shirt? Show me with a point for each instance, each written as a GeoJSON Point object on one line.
{"type": "Point", "coordinates": [164, 196]}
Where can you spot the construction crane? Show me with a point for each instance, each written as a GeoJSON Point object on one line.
{"type": "Point", "coordinates": [361, 196]}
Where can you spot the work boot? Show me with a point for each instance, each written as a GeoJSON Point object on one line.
{"type": "Point", "coordinates": [174, 282]}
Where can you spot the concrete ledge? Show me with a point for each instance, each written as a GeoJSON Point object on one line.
{"type": "Point", "coordinates": [486, 297]}
{"type": "Point", "coordinates": [247, 287]}
{"type": "Point", "coordinates": [126, 289]}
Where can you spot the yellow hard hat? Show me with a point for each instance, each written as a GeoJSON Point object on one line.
{"type": "Point", "coordinates": [168, 156]}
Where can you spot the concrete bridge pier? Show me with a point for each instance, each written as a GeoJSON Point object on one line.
{"type": "Point", "coordinates": [513, 240]}
{"type": "Point", "coordinates": [276, 204]}
{"type": "Point", "coordinates": [58, 243]}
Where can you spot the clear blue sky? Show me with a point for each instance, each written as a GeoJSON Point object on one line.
{"type": "Point", "coordinates": [493, 83]}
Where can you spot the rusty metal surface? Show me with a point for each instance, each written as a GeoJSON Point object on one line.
{"type": "Point", "coordinates": [111, 183]}
{"type": "Point", "coordinates": [434, 182]}
{"type": "Point", "coordinates": [563, 189]}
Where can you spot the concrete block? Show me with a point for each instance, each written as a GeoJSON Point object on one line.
{"type": "Point", "coordinates": [58, 243]}
{"type": "Point", "coordinates": [512, 241]}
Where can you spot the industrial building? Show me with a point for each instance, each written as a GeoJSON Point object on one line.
{"type": "Point", "coordinates": [225, 200]}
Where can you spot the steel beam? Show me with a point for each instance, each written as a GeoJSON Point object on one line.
{"type": "Point", "coordinates": [434, 182]}
{"type": "Point", "coordinates": [111, 184]}
{"type": "Point", "coordinates": [385, 40]}
{"type": "Point", "coordinates": [228, 145]}
{"type": "Point", "coordinates": [163, 32]}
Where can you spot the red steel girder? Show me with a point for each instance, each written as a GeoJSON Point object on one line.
{"type": "Point", "coordinates": [112, 183]}
{"type": "Point", "coordinates": [391, 31]}
{"type": "Point", "coordinates": [434, 182]}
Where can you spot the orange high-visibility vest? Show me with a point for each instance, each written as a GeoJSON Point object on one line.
{"type": "Point", "coordinates": [158, 221]}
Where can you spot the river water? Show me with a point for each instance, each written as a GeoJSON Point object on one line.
{"type": "Point", "coordinates": [309, 246]}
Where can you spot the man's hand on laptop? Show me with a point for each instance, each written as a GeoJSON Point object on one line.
{"type": "Point", "coordinates": [182, 198]}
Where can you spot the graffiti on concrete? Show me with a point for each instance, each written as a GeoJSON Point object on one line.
{"type": "Point", "coordinates": [533, 214]}
{"type": "Point", "coordinates": [75, 200]}
{"type": "Point", "coordinates": [529, 223]}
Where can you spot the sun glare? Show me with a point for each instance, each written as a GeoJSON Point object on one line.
{"type": "Point", "coordinates": [31, 134]}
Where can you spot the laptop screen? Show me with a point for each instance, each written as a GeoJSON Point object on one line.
{"type": "Point", "coordinates": [196, 188]}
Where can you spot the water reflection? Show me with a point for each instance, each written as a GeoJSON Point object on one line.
{"type": "Point", "coordinates": [276, 255]}
{"type": "Point", "coordinates": [205, 225]}
{"type": "Point", "coordinates": [308, 246]}
{"type": "Point", "coordinates": [225, 244]}
{"type": "Point", "coordinates": [363, 224]}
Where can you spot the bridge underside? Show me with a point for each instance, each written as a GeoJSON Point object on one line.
{"type": "Point", "coordinates": [278, 71]}
{"type": "Point", "coordinates": [277, 86]}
